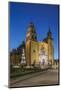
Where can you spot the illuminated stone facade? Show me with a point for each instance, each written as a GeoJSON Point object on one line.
{"type": "Point", "coordinates": [39, 52]}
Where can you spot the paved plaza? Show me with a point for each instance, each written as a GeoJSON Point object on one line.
{"type": "Point", "coordinates": [49, 77]}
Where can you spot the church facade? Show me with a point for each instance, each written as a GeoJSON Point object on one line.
{"type": "Point", "coordinates": [38, 53]}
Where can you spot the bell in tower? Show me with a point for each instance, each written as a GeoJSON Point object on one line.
{"type": "Point", "coordinates": [31, 33]}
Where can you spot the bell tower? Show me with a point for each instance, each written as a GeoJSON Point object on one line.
{"type": "Point", "coordinates": [50, 48]}
{"type": "Point", "coordinates": [30, 36]}
{"type": "Point", "coordinates": [31, 33]}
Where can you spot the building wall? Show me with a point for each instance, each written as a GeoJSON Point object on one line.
{"type": "Point", "coordinates": [15, 59]}
{"type": "Point", "coordinates": [28, 52]}
{"type": "Point", "coordinates": [39, 53]}
{"type": "Point", "coordinates": [43, 53]}
{"type": "Point", "coordinates": [34, 52]}
{"type": "Point", "coordinates": [51, 51]}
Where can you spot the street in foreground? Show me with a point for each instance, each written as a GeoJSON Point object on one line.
{"type": "Point", "coordinates": [49, 77]}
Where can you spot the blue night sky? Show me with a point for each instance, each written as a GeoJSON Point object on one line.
{"type": "Point", "coordinates": [43, 16]}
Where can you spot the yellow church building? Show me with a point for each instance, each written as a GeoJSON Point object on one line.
{"type": "Point", "coordinates": [38, 53]}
